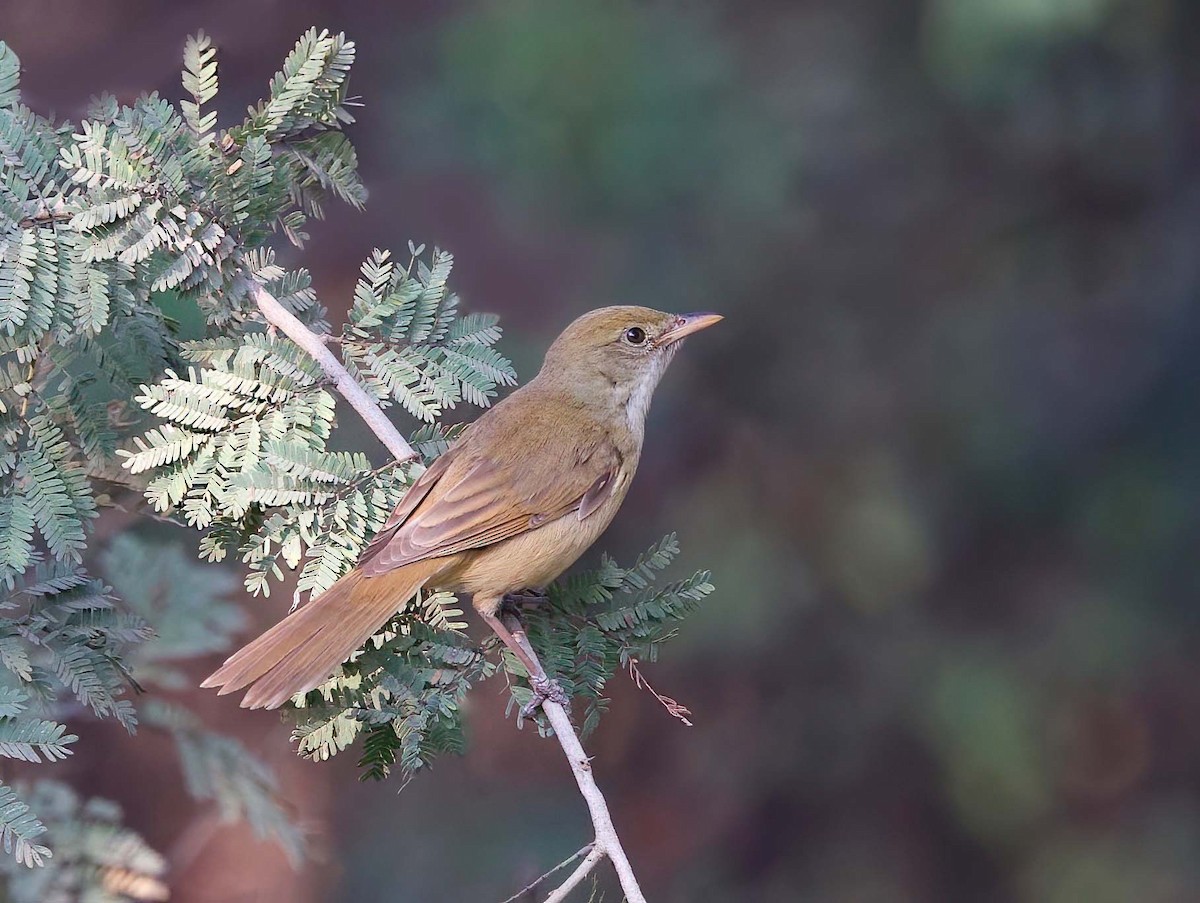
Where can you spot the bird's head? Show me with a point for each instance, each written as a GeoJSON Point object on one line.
{"type": "Point", "coordinates": [620, 352]}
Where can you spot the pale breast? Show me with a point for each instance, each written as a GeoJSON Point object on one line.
{"type": "Point", "coordinates": [535, 558]}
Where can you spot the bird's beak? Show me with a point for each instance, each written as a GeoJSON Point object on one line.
{"type": "Point", "coordinates": [685, 325]}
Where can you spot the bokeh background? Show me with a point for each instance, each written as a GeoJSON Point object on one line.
{"type": "Point", "coordinates": [941, 457]}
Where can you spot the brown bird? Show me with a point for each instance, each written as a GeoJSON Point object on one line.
{"type": "Point", "coordinates": [522, 494]}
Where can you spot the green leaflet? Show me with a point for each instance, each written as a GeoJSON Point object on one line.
{"type": "Point", "coordinates": [200, 81]}
{"type": "Point", "coordinates": [430, 359]}
{"type": "Point", "coordinates": [31, 739]}
{"type": "Point", "coordinates": [107, 227]}
{"type": "Point", "coordinates": [402, 694]}
{"type": "Point", "coordinates": [94, 858]}
{"type": "Point", "coordinates": [136, 370]}
{"type": "Point", "coordinates": [19, 829]}
{"type": "Point", "coordinates": [222, 770]}
{"type": "Point", "coordinates": [595, 622]}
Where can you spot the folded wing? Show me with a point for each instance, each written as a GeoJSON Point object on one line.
{"type": "Point", "coordinates": [469, 501]}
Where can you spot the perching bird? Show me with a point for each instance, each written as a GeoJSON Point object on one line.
{"type": "Point", "coordinates": [519, 497]}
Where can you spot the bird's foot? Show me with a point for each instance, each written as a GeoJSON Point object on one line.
{"type": "Point", "coordinates": [513, 603]}
{"type": "Point", "coordinates": [543, 689]}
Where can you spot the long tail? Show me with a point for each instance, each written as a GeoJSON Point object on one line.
{"type": "Point", "coordinates": [303, 650]}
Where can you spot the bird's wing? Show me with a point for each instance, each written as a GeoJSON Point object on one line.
{"type": "Point", "coordinates": [475, 500]}
{"type": "Point", "coordinates": [419, 489]}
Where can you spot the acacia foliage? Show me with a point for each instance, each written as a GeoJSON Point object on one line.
{"type": "Point", "coordinates": [106, 226]}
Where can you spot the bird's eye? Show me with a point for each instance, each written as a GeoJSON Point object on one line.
{"type": "Point", "coordinates": [635, 335]}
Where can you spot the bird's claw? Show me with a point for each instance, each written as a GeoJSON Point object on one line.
{"type": "Point", "coordinates": [543, 689]}
{"type": "Point", "coordinates": [513, 603]}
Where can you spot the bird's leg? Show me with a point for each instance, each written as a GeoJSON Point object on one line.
{"type": "Point", "coordinates": [543, 687]}
{"type": "Point", "coordinates": [513, 646]}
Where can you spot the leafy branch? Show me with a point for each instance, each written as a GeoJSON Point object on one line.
{"type": "Point", "coordinates": [106, 226]}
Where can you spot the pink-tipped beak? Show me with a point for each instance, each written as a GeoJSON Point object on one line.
{"type": "Point", "coordinates": [686, 324]}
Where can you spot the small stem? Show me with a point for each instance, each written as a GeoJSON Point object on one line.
{"type": "Point", "coordinates": [280, 317]}
{"type": "Point", "coordinates": [590, 848]}
{"type": "Point", "coordinates": [674, 707]}
{"type": "Point", "coordinates": [575, 877]}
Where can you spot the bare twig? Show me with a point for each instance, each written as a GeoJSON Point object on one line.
{"type": "Point", "coordinates": [676, 709]}
{"type": "Point", "coordinates": [590, 848]}
{"type": "Point", "coordinates": [283, 319]}
{"type": "Point", "coordinates": [607, 842]}
{"type": "Point", "coordinates": [575, 877]}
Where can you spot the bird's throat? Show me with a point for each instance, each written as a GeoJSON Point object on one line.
{"type": "Point", "coordinates": [638, 394]}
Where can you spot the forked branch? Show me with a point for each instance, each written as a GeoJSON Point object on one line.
{"type": "Point", "coordinates": [607, 842]}
{"type": "Point", "coordinates": [589, 863]}
{"type": "Point", "coordinates": [590, 857]}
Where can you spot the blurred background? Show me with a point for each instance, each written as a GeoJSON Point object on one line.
{"type": "Point", "coordinates": [941, 456]}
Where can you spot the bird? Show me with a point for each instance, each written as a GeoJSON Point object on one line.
{"type": "Point", "coordinates": [514, 502]}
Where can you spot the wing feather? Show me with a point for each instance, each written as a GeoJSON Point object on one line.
{"type": "Point", "coordinates": [473, 500]}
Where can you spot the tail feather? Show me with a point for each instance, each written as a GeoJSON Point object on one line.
{"type": "Point", "coordinates": [303, 650]}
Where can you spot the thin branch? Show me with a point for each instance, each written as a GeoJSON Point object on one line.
{"type": "Point", "coordinates": [590, 848]}
{"type": "Point", "coordinates": [285, 321]}
{"type": "Point", "coordinates": [575, 877]}
{"type": "Point", "coordinates": [607, 842]}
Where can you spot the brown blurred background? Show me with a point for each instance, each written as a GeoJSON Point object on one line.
{"type": "Point", "coordinates": [941, 457]}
